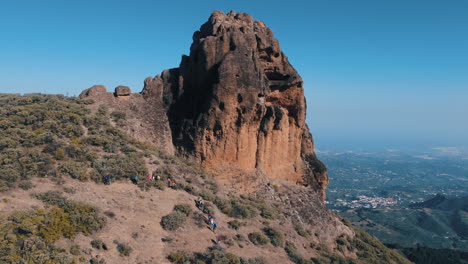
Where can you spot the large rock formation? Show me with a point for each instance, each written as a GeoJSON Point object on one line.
{"type": "Point", "coordinates": [236, 104]}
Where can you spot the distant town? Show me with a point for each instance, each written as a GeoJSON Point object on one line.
{"type": "Point", "coordinates": [363, 201]}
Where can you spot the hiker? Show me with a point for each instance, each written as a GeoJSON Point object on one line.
{"type": "Point", "coordinates": [135, 179]}
{"type": "Point", "coordinates": [199, 203]}
{"type": "Point", "coordinates": [169, 182]}
{"type": "Point", "coordinates": [107, 180]}
{"type": "Point", "coordinates": [150, 177]}
{"type": "Point", "coordinates": [210, 217]}
{"type": "Point", "coordinates": [214, 227]}
{"type": "Point", "coordinates": [158, 178]}
{"type": "Point", "coordinates": [173, 185]}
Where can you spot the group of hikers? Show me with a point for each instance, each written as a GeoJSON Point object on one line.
{"type": "Point", "coordinates": [211, 221]}
{"type": "Point", "coordinates": [172, 184]}
{"type": "Point", "coordinates": [151, 177]}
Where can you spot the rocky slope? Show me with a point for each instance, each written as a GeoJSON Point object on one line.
{"type": "Point", "coordinates": [235, 104]}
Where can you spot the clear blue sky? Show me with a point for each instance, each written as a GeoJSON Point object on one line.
{"type": "Point", "coordinates": [377, 73]}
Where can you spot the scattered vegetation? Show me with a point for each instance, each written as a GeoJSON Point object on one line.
{"type": "Point", "coordinates": [258, 238]}
{"type": "Point", "coordinates": [72, 216]}
{"type": "Point", "coordinates": [44, 136]}
{"type": "Point", "coordinates": [28, 236]}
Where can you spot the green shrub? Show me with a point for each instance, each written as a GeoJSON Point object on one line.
{"type": "Point", "coordinates": [276, 238]}
{"type": "Point", "coordinates": [300, 230]}
{"type": "Point", "coordinates": [98, 244]}
{"type": "Point", "coordinates": [217, 256]}
{"type": "Point", "coordinates": [235, 224]}
{"type": "Point", "coordinates": [173, 221]}
{"type": "Point", "coordinates": [178, 258]}
{"type": "Point", "coordinates": [268, 212]}
{"type": "Point", "coordinates": [97, 261]}
{"type": "Point", "coordinates": [74, 169]}
{"type": "Point", "coordinates": [294, 256]}
{"type": "Point", "coordinates": [257, 260]}
{"type": "Point", "coordinates": [240, 209]}
{"type": "Point", "coordinates": [75, 250]}
{"type": "Point", "coordinates": [207, 195]}
{"type": "Point", "coordinates": [84, 217]}
{"type": "Point", "coordinates": [124, 249]}
{"type": "Point", "coordinates": [117, 116]}
{"type": "Point", "coordinates": [183, 208]}
{"type": "Point", "coordinates": [69, 190]}
{"type": "Point", "coordinates": [26, 185]}
{"type": "Point", "coordinates": [223, 205]}
{"type": "Point", "coordinates": [258, 238]}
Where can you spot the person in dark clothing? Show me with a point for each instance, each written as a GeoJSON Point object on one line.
{"type": "Point", "coordinates": [107, 180]}
{"type": "Point", "coordinates": [199, 203]}
{"type": "Point", "coordinates": [135, 179]}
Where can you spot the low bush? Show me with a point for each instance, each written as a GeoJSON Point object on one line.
{"type": "Point", "coordinates": [173, 221]}
{"type": "Point", "coordinates": [76, 170]}
{"type": "Point", "coordinates": [75, 250]}
{"type": "Point", "coordinates": [98, 244]}
{"type": "Point", "coordinates": [235, 224]}
{"type": "Point", "coordinates": [258, 238]}
{"type": "Point", "coordinates": [240, 209]}
{"type": "Point", "coordinates": [124, 249]}
{"type": "Point", "coordinates": [276, 238]}
{"type": "Point", "coordinates": [183, 208]}
{"type": "Point", "coordinates": [257, 260]}
{"type": "Point", "coordinates": [300, 230]}
{"type": "Point", "coordinates": [178, 258]}
{"type": "Point", "coordinates": [26, 185]}
{"type": "Point", "coordinates": [97, 261]}
{"type": "Point", "coordinates": [294, 256]}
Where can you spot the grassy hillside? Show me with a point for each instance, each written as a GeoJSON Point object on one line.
{"type": "Point", "coordinates": [54, 155]}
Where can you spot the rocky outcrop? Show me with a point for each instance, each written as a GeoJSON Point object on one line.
{"type": "Point", "coordinates": [236, 102]}
{"type": "Point", "coordinates": [122, 91]}
{"type": "Point", "coordinates": [146, 120]}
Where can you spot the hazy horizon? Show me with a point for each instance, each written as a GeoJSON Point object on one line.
{"type": "Point", "coordinates": [376, 75]}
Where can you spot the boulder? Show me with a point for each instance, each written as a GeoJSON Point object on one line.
{"type": "Point", "coordinates": [122, 91]}
{"type": "Point", "coordinates": [94, 91]}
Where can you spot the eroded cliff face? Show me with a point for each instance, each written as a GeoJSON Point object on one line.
{"type": "Point", "coordinates": [236, 102]}
{"type": "Point", "coordinates": [237, 105]}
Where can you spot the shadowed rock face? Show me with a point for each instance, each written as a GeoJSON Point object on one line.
{"type": "Point", "coordinates": [237, 105]}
